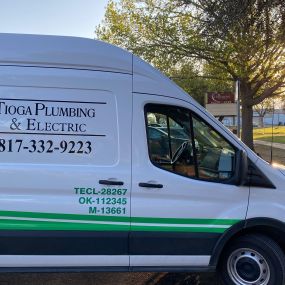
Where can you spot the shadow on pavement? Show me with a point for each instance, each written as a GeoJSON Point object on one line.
{"type": "Point", "coordinates": [144, 278]}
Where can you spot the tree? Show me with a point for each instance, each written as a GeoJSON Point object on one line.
{"type": "Point", "coordinates": [196, 84]}
{"type": "Point", "coordinates": [123, 25]}
{"type": "Point", "coordinates": [188, 80]}
{"type": "Point", "coordinates": [244, 39]}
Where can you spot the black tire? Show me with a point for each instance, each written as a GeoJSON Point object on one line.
{"type": "Point", "coordinates": [252, 259]}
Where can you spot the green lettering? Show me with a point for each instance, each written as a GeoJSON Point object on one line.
{"type": "Point", "coordinates": [92, 210]}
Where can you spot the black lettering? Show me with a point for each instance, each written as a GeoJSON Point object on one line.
{"type": "Point", "coordinates": [12, 110]}
{"type": "Point", "coordinates": [63, 112]}
{"type": "Point", "coordinates": [21, 110]}
{"type": "Point", "coordinates": [48, 126]}
{"type": "Point", "coordinates": [91, 113]}
{"type": "Point", "coordinates": [72, 112]}
{"type": "Point", "coordinates": [53, 127]}
{"type": "Point", "coordinates": [70, 127]}
{"type": "Point", "coordinates": [2, 103]}
{"type": "Point", "coordinates": [31, 124]}
{"type": "Point", "coordinates": [82, 128]}
{"type": "Point", "coordinates": [39, 107]}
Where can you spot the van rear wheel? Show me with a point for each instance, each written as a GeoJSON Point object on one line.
{"type": "Point", "coordinates": [252, 260]}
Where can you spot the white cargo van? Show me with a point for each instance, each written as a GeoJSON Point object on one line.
{"type": "Point", "coordinates": [105, 164]}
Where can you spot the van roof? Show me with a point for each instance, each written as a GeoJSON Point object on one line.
{"type": "Point", "coordinates": [81, 53]}
{"type": "Point", "coordinates": [65, 52]}
{"type": "Point", "coordinates": [88, 54]}
{"type": "Point", "coordinates": [85, 54]}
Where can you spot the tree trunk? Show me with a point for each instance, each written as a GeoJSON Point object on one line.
{"type": "Point", "coordinates": [247, 125]}
{"type": "Point", "coordinates": [247, 115]}
{"type": "Point", "coordinates": [261, 121]}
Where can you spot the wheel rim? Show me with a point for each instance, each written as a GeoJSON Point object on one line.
{"type": "Point", "coordinates": [248, 267]}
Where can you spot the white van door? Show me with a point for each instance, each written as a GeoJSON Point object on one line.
{"type": "Point", "coordinates": [183, 196]}
{"type": "Point", "coordinates": [65, 169]}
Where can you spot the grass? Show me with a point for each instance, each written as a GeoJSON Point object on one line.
{"type": "Point", "coordinates": [265, 134]}
{"type": "Point", "coordinates": [279, 139]}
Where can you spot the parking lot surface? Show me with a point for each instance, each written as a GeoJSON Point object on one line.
{"type": "Point", "coordinates": [106, 279]}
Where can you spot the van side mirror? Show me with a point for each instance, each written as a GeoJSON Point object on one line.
{"type": "Point", "coordinates": [241, 177]}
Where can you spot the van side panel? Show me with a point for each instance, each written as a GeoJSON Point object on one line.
{"type": "Point", "coordinates": [61, 133]}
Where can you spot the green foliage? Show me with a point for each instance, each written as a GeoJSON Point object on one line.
{"type": "Point", "coordinates": [197, 86]}
{"type": "Point", "coordinates": [147, 28]}
{"type": "Point", "coordinates": [141, 27]}
{"type": "Point", "coordinates": [187, 79]}
{"type": "Point", "coordinates": [217, 79]}
{"type": "Point", "coordinates": [220, 39]}
{"type": "Point", "coordinates": [240, 38]}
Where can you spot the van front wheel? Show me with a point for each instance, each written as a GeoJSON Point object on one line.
{"type": "Point", "coordinates": [252, 260]}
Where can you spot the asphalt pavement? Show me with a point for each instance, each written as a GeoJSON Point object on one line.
{"type": "Point", "coordinates": [145, 278]}
{"type": "Point", "coordinates": [275, 145]}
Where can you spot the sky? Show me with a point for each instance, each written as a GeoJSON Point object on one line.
{"type": "Point", "coordinates": [51, 17]}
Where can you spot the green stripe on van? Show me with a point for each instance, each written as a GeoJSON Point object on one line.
{"type": "Point", "coordinates": [80, 217]}
{"type": "Point", "coordinates": [9, 224]}
{"type": "Point", "coordinates": [184, 221]}
{"type": "Point", "coordinates": [57, 216]}
{"type": "Point", "coordinates": [178, 229]}
{"type": "Point", "coordinates": [15, 220]}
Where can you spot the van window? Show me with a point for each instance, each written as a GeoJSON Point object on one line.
{"type": "Point", "coordinates": [215, 156]}
{"type": "Point", "coordinates": [169, 139]}
{"type": "Point", "coordinates": [181, 142]}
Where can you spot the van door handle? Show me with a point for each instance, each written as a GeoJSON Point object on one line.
{"type": "Point", "coordinates": [150, 185]}
{"type": "Point", "coordinates": [111, 182]}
